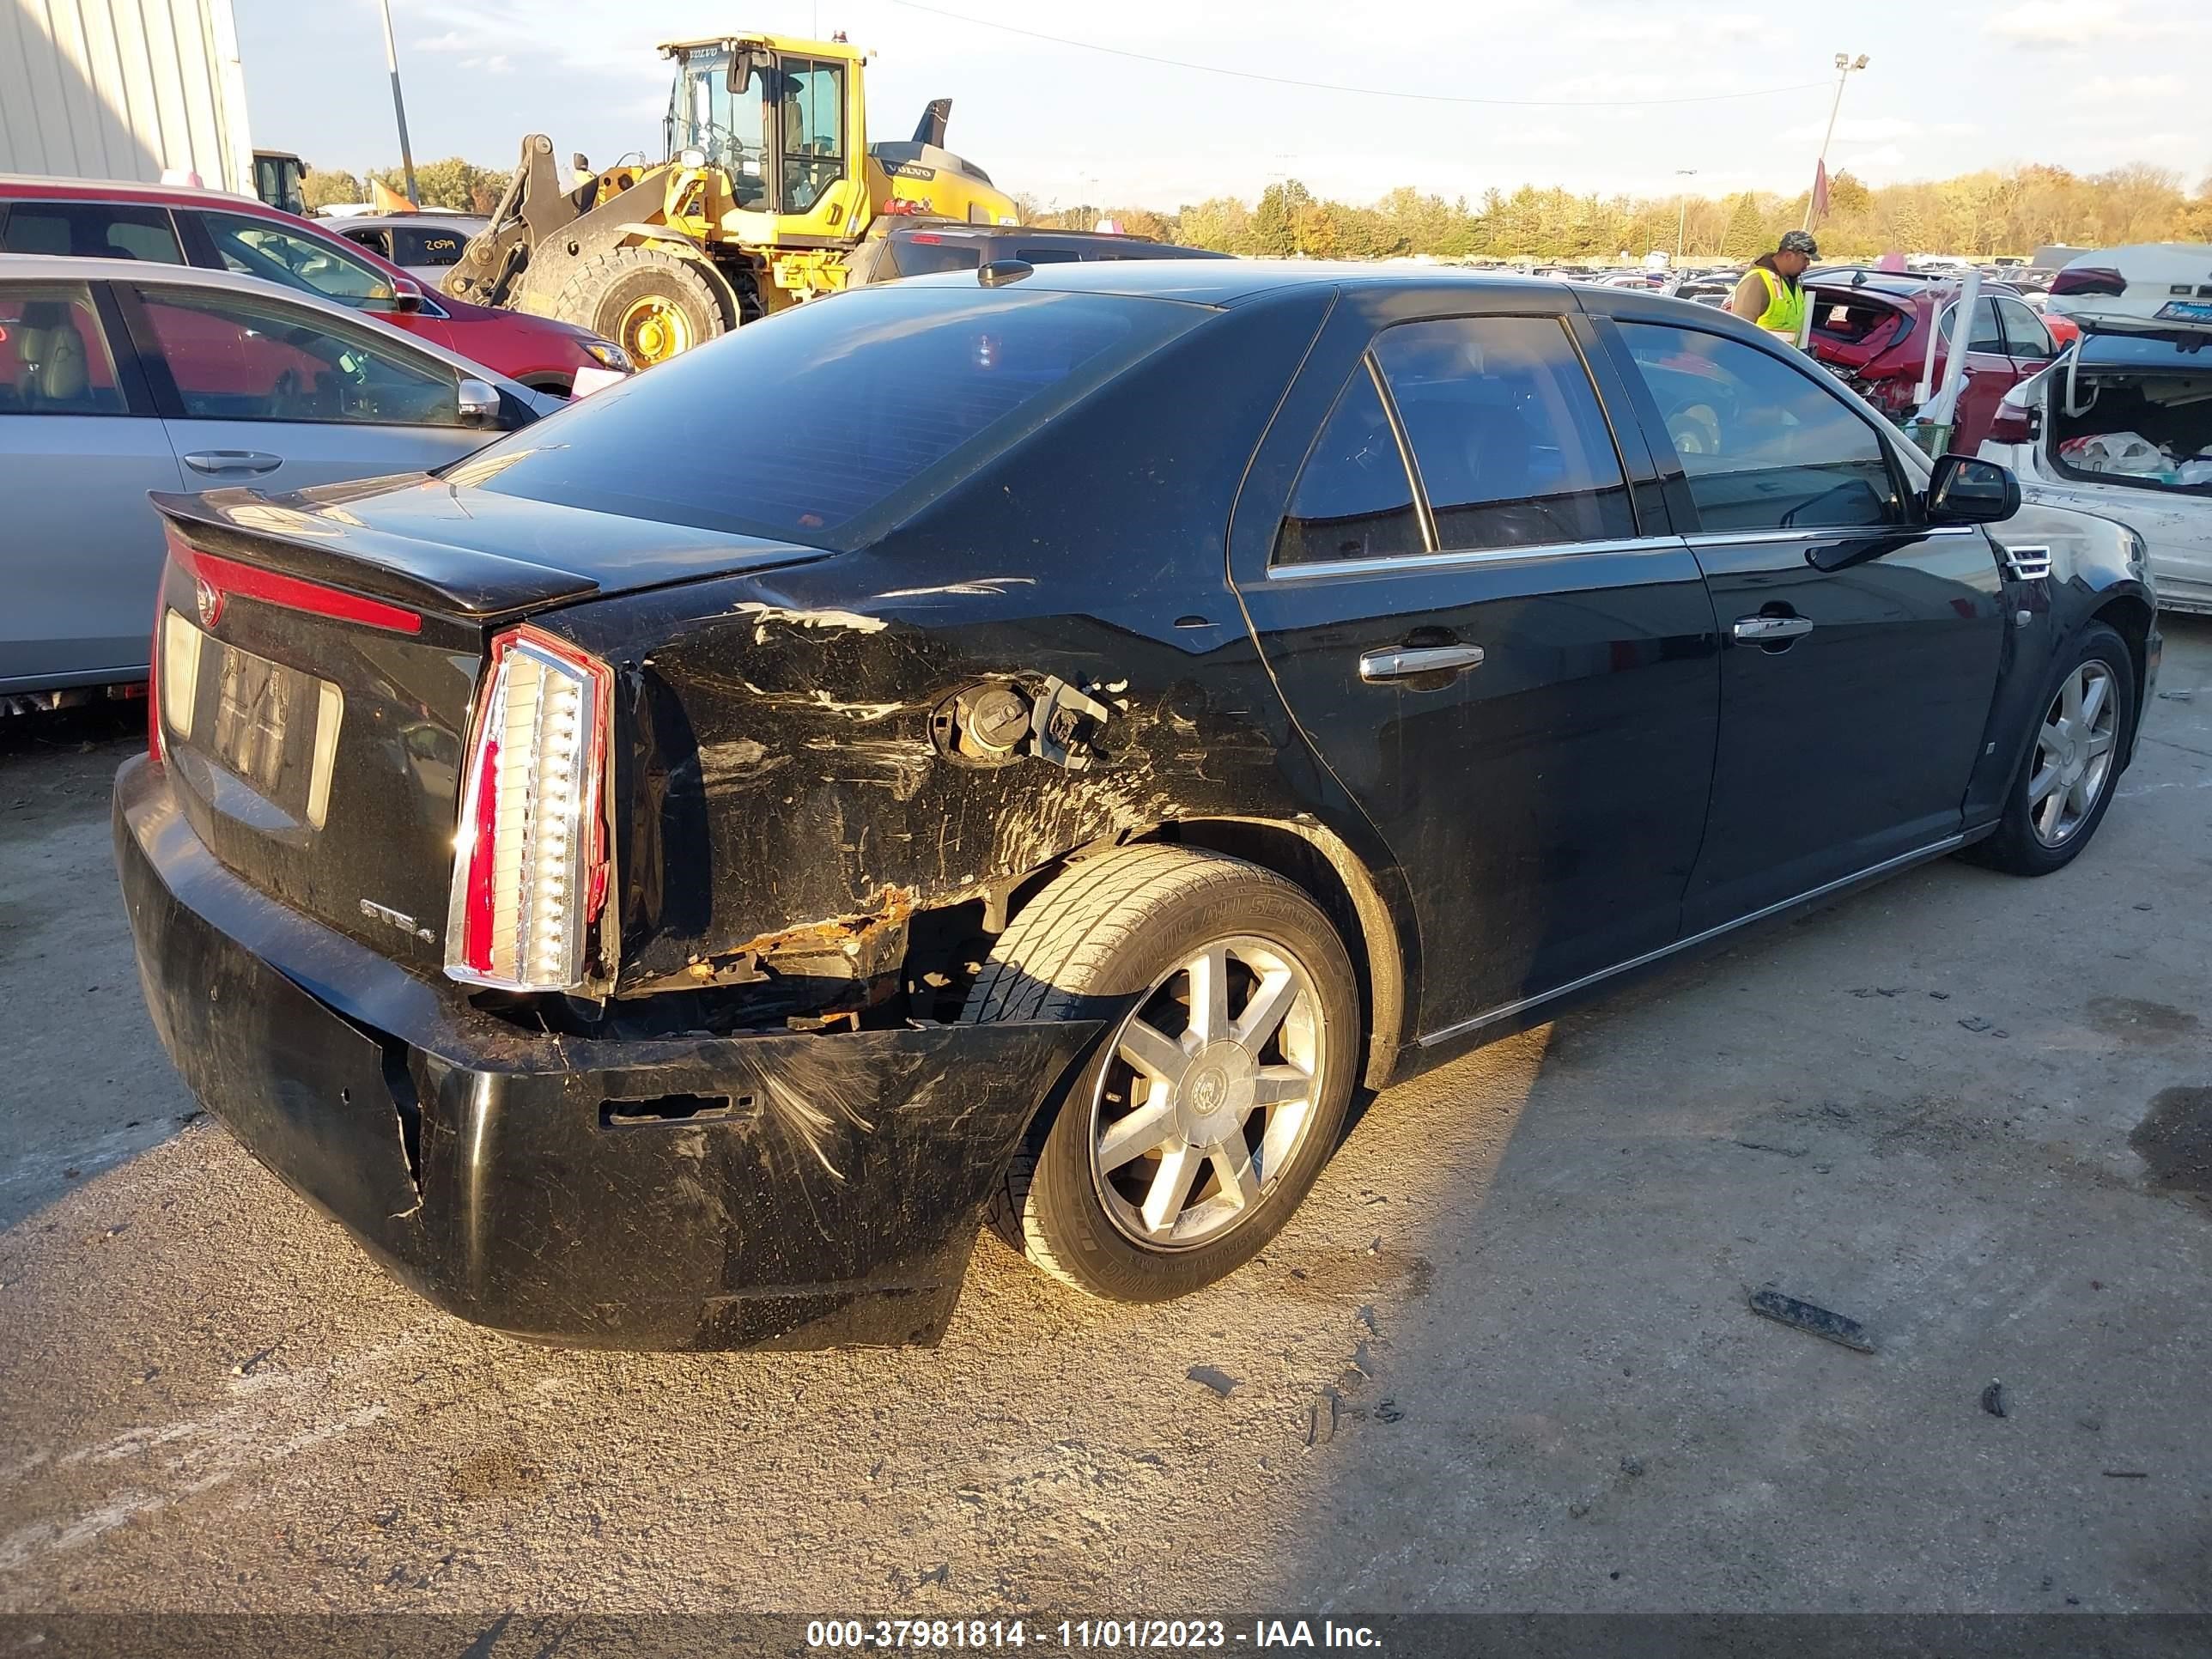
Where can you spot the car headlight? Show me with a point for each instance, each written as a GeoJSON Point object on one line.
{"type": "Point", "coordinates": [610, 355]}
{"type": "Point", "coordinates": [2138, 556]}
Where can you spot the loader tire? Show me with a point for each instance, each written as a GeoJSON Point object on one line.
{"type": "Point", "coordinates": [650, 303]}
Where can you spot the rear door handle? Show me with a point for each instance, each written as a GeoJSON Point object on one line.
{"type": "Point", "coordinates": [1764, 630]}
{"type": "Point", "coordinates": [233, 460]}
{"type": "Point", "coordinates": [1406, 662]}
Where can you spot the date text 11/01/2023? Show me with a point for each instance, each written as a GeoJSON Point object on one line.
{"type": "Point", "coordinates": [1084, 1634]}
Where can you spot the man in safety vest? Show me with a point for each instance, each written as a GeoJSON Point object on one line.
{"type": "Point", "coordinates": [1768, 295]}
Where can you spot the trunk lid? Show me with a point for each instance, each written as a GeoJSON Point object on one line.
{"type": "Point", "coordinates": [317, 662]}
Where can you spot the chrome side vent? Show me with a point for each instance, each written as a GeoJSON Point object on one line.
{"type": "Point", "coordinates": [2026, 564]}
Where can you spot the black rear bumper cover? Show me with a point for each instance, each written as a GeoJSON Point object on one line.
{"type": "Point", "coordinates": [834, 1201]}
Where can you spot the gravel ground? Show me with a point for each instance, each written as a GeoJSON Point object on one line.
{"type": "Point", "coordinates": [1502, 1360]}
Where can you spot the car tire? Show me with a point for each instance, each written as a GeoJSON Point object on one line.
{"type": "Point", "coordinates": [2066, 777]}
{"type": "Point", "coordinates": [1134, 935]}
{"type": "Point", "coordinates": [651, 303]}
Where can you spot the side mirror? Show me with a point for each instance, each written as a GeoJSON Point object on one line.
{"type": "Point", "coordinates": [480, 401]}
{"type": "Point", "coordinates": [1965, 490]}
{"type": "Point", "coordinates": [406, 295]}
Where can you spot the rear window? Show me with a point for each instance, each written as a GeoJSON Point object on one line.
{"type": "Point", "coordinates": [2187, 349]}
{"type": "Point", "coordinates": [1849, 320]}
{"type": "Point", "coordinates": [913, 256]}
{"type": "Point", "coordinates": [830, 422]}
{"type": "Point", "coordinates": [99, 230]}
{"type": "Point", "coordinates": [427, 244]}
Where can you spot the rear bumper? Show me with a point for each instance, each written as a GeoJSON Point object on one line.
{"type": "Point", "coordinates": [835, 1200]}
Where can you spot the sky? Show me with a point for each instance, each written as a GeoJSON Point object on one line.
{"type": "Point", "coordinates": [1950, 87]}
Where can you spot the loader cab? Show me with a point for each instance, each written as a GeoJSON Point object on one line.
{"type": "Point", "coordinates": [782, 120]}
{"type": "Point", "coordinates": [279, 178]}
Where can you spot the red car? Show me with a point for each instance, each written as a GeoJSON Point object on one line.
{"type": "Point", "coordinates": [167, 225]}
{"type": "Point", "coordinates": [1872, 331]}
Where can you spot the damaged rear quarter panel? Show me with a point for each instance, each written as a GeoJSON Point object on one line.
{"type": "Point", "coordinates": [778, 769]}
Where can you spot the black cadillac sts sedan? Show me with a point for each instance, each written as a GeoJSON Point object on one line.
{"type": "Point", "coordinates": [1030, 744]}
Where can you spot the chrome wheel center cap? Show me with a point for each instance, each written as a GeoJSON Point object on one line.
{"type": "Point", "coordinates": [1217, 1092]}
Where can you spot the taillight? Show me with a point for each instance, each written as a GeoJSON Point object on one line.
{"type": "Point", "coordinates": [2015, 423]}
{"type": "Point", "coordinates": [155, 751]}
{"type": "Point", "coordinates": [2090, 279]}
{"type": "Point", "coordinates": [530, 859]}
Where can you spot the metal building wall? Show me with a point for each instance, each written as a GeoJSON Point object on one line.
{"type": "Point", "coordinates": [123, 90]}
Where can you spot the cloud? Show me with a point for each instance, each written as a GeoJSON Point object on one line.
{"type": "Point", "coordinates": [2128, 89]}
{"type": "Point", "coordinates": [1863, 130]}
{"type": "Point", "coordinates": [2055, 23]}
{"type": "Point", "coordinates": [1702, 31]}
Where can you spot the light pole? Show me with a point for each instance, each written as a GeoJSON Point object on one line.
{"type": "Point", "coordinates": [398, 105]}
{"type": "Point", "coordinates": [1846, 66]}
{"type": "Point", "coordinates": [1682, 210]}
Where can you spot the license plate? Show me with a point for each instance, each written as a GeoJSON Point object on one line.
{"type": "Point", "coordinates": [2186, 310]}
{"type": "Point", "coordinates": [273, 728]}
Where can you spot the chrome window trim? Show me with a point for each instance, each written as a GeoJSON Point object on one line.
{"type": "Point", "coordinates": [1467, 557]}
{"type": "Point", "coordinates": [1933, 850]}
{"type": "Point", "coordinates": [1832, 534]}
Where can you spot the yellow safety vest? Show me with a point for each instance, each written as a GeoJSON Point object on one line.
{"type": "Point", "coordinates": [1785, 307]}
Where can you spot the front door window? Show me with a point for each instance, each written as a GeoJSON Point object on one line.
{"type": "Point", "coordinates": [1764, 446]}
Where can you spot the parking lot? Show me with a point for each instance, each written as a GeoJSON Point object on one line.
{"type": "Point", "coordinates": [1503, 1358]}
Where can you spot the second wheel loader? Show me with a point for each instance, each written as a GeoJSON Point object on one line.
{"type": "Point", "coordinates": [768, 187]}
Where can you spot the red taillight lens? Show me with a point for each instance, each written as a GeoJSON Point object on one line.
{"type": "Point", "coordinates": [2090, 279]}
{"type": "Point", "coordinates": [530, 859]}
{"type": "Point", "coordinates": [2015, 423]}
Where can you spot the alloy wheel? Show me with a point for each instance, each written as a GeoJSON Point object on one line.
{"type": "Point", "coordinates": [1209, 1094]}
{"type": "Point", "coordinates": [2074, 754]}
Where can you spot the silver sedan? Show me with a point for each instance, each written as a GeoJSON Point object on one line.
{"type": "Point", "coordinates": [117, 378]}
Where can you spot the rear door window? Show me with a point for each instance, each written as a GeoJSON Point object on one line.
{"type": "Point", "coordinates": [300, 260]}
{"type": "Point", "coordinates": [2025, 338]}
{"type": "Point", "coordinates": [1354, 499]}
{"type": "Point", "coordinates": [53, 352]}
{"type": "Point", "coordinates": [92, 230]}
{"type": "Point", "coordinates": [1764, 446]}
{"type": "Point", "coordinates": [1508, 437]}
{"type": "Point", "coordinates": [1987, 335]}
{"type": "Point", "coordinates": [873, 406]}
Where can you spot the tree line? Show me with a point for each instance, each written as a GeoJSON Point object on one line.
{"type": "Point", "coordinates": [2013, 211]}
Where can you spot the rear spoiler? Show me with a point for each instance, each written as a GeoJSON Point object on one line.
{"type": "Point", "coordinates": [320, 542]}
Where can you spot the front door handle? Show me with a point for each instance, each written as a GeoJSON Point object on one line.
{"type": "Point", "coordinates": [233, 460]}
{"type": "Point", "coordinates": [1406, 662]}
{"type": "Point", "coordinates": [1766, 631]}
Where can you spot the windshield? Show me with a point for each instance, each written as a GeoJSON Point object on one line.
{"type": "Point", "coordinates": [704, 115]}
{"type": "Point", "coordinates": [875, 402]}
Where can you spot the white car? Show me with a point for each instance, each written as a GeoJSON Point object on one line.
{"type": "Point", "coordinates": [2121, 425]}
{"type": "Point", "coordinates": [424, 244]}
{"type": "Point", "coordinates": [2146, 285]}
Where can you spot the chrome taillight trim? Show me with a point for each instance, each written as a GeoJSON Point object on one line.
{"type": "Point", "coordinates": [583, 824]}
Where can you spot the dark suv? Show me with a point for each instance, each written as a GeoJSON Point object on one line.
{"type": "Point", "coordinates": [929, 246]}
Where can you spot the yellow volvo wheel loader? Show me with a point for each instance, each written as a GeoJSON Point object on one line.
{"type": "Point", "coordinates": [768, 187]}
